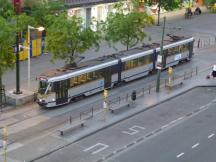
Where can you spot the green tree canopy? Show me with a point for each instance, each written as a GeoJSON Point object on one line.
{"type": "Point", "coordinates": [6, 48]}
{"type": "Point", "coordinates": [210, 2]}
{"type": "Point", "coordinates": [126, 28]}
{"type": "Point", "coordinates": [67, 37]}
{"type": "Point", "coordinates": [6, 9]}
{"type": "Point", "coordinates": [42, 9]}
{"type": "Point", "coordinates": [170, 4]}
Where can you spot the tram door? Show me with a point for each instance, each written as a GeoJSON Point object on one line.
{"type": "Point", "coordinates": [62, 92]}
{"type": "Point", "coordinates": [107, 77]}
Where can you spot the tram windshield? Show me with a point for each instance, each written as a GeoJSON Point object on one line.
{"type": "Point", "coordinates": [42, 87]}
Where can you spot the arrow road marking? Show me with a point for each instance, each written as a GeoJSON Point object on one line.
{"type": "Point", "coordinates": [134, 130]}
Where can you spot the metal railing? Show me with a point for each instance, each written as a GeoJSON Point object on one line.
{"type": "Point", "coordinates": [96, 109]}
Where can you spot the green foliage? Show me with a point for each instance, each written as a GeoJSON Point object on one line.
{"type": "Point", "coordinates": [67, 37]}
{"type": "Point", "coordinates": [23, 21]}
{"type": "Point", "coordinates": [7, 39]}
{"type": "Point", "coordinates": [210, 2]}
{"type": "Point", "coordinates": [170, 4]}
{"type": "Point", "coordinates": [126, 28]}
{"type": "Point", "coordinates": [6, 9]}
{"type": "Point", "coordinates": [167, 4]}
{"type": "Point", "coordinates": [42, 10]}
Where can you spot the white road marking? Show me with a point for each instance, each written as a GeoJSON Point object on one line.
{"type": "Point", "coordinates": [194, 146]}
{"type": "Point", "coordinates": [211, 135]}
{"type": "Point", "coordinates": [133, 130]}
{"type": "Point", "coordinates": [179, 155]}
{"type": "Point", "coordinates": [180, 118]}
{"type": "Point", "coordinates": [165, 126]}
{"type": "Point", "coordinates": [173, 121]}
{"type": "Point", "coordinates": [100, 145]}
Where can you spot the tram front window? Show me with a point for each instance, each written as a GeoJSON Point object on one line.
{"type": "Point", "coordinates": [42, 87]}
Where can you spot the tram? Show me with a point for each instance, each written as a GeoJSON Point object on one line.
{"type": "Point", "coordinates": [61, 86]}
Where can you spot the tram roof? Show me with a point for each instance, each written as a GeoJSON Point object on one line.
{"type": "Point", "coordinates": [106, 61]}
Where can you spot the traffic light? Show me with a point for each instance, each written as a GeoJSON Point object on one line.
{"type": "Point", "coordinates": [133, 95]}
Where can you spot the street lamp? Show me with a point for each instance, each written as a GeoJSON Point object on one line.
{"type": "Point", "coordinates": [29, 49]}
{"type": "Point", "coordinates": [159, 8]}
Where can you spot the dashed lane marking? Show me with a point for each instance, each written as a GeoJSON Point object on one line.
{"type": "Point", "coordinates": [179, 155]}
{"type": "Point", "coordinates": [211, 135]}
{"type": "Point", "coordinates": [194, 146]}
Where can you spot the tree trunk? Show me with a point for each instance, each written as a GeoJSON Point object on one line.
{"type": "Point", "coordinates": [1, 91]}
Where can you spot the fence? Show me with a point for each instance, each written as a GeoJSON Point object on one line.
{"type": "Point", "coordinates": [141, 92]}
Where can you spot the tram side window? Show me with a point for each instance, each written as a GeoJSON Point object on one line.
{"type": "Point", "coordinates": [85, 78]}
{"type": "Point", "coordinates": [183, 48]}
{"type": "Point", "coordinates": [173, 51]}
{"type": "Point", "coordinates": [138, 62]}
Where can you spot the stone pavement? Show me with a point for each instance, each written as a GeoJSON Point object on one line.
{"type": "Point", "coordinates": [52, 141]}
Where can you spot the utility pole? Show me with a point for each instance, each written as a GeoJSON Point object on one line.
{"type": "Point", "coordinates": [17, 7]}
{"type": "Point", "coordinates": [159, 7]}
{"type": "Point", "coordinates": [160, 61]}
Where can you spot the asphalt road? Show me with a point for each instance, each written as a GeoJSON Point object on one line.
{"type": "Point", "coordinates": [193, 140]}
{"type": "Point", "coordinates": [173, 133]}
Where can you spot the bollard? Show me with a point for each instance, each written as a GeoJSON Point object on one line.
{"type": "Point", "coordinates": [198, 43]}
{"type": "Point", "coordinates": [149, 89]}
{"type": "Point", "coordinates": [80, 115]}
{"type": "Point", "coordinates": [196, 70]}
{"type": "Point", "coordinates": [92, 112]}
{"type": "Point", "coordinates": [70, 119]}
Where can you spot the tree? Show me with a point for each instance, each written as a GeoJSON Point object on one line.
{"type": "Point", "coordinates": [126, 28]}
{"type": "Point", "coordinates": [210, 2]}
{"type": "Point", "coordinates": [7, 56]}
{"type": "Point", "coordinates": [42, 9]}
{"type": "Point", "coordinates": [6, 9]}
{"type": "Point", "coordinates": [67, 37]}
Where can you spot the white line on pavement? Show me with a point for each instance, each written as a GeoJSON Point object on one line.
{"type": "Point", "coordinates": [180, 118]}
{"type": "Point", "coordinates": [210, 136]}
{"type": "Point", "coordinates": [179, 155]}
{"type": "Point", "coordinates": [173, 121]}
{"type": "Point", "coordinates": [165, 126]}
{"type": "Point", "coordinates": [194, 146]}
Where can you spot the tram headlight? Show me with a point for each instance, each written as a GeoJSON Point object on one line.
{"type": "Point", "coordinates": [53, 99]}
{"type": "Point", "coordinates": [40, 100]}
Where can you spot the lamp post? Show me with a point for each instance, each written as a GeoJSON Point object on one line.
{"type": "Point", "coordinates": [29, 50]}
{"type": "Point", "coordinates": [17, 8]}
{"type": "Point", "coordinates": [161, 56]}
{"type": "Point", "coordinates": [159, 7]}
